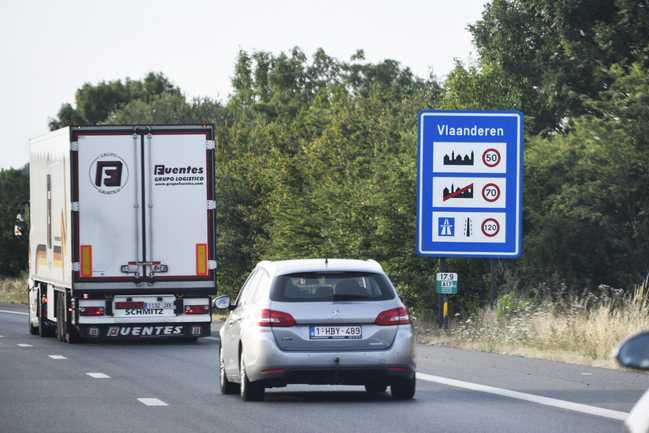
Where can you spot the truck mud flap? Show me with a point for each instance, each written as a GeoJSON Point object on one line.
{"type": "Point", "coordinates": [144, 331]}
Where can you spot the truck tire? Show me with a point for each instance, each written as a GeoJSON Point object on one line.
{"type": "Point", "coordinates": [45, 328]}
{"type": "Point", "coordinates": [60, 320]}
{"type": "Point", "coordinates": [32, 329]}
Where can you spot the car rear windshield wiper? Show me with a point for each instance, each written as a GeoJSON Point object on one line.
{"type": "Point", "coordinates": [349, 297]}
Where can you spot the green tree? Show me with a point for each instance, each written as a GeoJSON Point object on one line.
{"type": "Point", "coordinates": [14, 195]}
{"type": "Point", "coordinates": [95, 102]}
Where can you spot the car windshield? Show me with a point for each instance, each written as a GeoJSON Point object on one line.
{"type": "Point", "coordinates": [332, 286]}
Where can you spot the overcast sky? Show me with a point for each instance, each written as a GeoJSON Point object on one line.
{"type": "Point", "coordinates": [49, 49]}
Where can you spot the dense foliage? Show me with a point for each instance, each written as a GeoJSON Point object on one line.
{"type": "Point", "coordinates": [14, 195]}
{"type": "Point", "coordinates": [316, 156]}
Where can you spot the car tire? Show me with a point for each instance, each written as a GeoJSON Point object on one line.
{"type": "Point", "coordinates": [403, 389]}
{"type": "Point", "coordinates": [249, 391]}
{"type": "Point", "coordinates": [225, 385]}
{"type": "Point", "coordinates": [376, 388]}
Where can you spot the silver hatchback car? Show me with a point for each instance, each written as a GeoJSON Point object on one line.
{"type": "Point", "coordinates": [316, 321]}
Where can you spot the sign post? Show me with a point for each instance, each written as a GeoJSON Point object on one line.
{"type": "Point", "coordinates": [469, 184]}
{"type": "Point", "coordinates": [445, 284]}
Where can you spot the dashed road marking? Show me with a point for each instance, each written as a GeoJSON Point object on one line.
{"type": "Point", "coordinates": [532, 398]}
{"type": "Point", "coordinates": [148, 401]}
{"type": "Point", "coordinates": [98, 375]}
{"type": "Point", "coordinates": [57, 356]}
{"type": "Point", "coordinates": [24, 345]}
{"type": "Point", "coordinates": [211, 338]}
{"type": "Point", "coordinates": [14, 312]}
{"type": "Point", "coordinates": [585, 373]}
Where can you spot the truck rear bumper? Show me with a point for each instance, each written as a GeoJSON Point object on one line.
{"type": "Point", "coordinates": [133, 331]}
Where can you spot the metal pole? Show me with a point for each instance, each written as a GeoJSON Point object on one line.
{"type": "Point", "coordinates": [445, 312]}
{"type": "Point", "coordinates": [441, 300]}
{"type": "Point", "coordinates": [494, 291]}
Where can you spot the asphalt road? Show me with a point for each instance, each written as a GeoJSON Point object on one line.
{"type": "Point", "coordinates": [98, 387]}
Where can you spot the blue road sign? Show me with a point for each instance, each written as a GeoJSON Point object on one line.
{"type": "Point", "coordinates": [470, 183]}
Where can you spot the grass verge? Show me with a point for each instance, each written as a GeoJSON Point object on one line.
{"type": "Point", "coordinates": [13, 290]}
{"type": "Point", "coordinates": [576, 329]}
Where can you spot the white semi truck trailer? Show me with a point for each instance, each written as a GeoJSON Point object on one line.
{"type": "Point", "coordinates": [122, 232]}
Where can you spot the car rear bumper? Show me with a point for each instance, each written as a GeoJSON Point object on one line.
{"type": "Point", "coordinates": [265, 361]}
{"type": "Point", "coordinates": [337, 376]}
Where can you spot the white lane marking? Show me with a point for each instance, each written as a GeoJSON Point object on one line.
{"type": "Point", "coordinates": [24, 345]}
{"type": "Point", "coordinates": [57, 356]}
{"type": "Point", "coordinates": [98, 375]}
{"type": "Point", "coordinates": [211, 338]}
{"type": "Point", "coordinates": [152, 401]}
{"type": "Point", "coordinates": [586, 374]}
{"type": "Point", "coordinates": [14, 312]}
{"type": "Point", "coordinates": [1, 336]}
{"type": "Point", "coordinates": [533, 398]}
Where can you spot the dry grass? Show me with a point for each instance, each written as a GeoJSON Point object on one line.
{"type": "Point", "coordinates": [13, 290]}
{"type": "Point", "coordinates": [581, 330]}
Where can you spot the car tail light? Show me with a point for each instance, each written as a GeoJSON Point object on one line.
{"type": "Point", "coordinates": [276, 319]}
{"type": "Point", "coordinates": [91, 311]}
{"type": "Point", "coordinates": [395, 316]}
{"type": "Point", "coordinates": [197, 309]}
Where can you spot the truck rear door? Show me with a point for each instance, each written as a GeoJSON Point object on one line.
{"type": "Point", "coordinates": [144, 204]}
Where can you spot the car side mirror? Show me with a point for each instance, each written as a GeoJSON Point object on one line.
{"type": "Point", "coordinates": [222, 303]}
{"type": "Point", "coordinates": [634, 352]}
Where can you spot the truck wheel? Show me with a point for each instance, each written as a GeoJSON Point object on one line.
{"type": "Point", "coordinates": [249, 391]}
{"type": "Point", "coordinates": [60, 321]}
{"type": "Point", "coordinates": [225, 385]}
{"type": "Point", "coordinates": [403, 389]}
{"type": "Point", "coordinates": [45, 329]}
{"type": "Point", "coordinates": [32, 329]}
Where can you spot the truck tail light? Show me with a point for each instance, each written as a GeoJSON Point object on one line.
{"type": "Point", "coordinates": [197, 309]}
{"type": "Point", "coordinates": [276, 319]}
{"type": "Point", "coordinates": [201, 260]}
{"type": "Point", "coordinates": [86, 261]}
{"type": "Point", "coordinates": [395, 316]}
{"type": "Point", "coordinates": [91, 311]}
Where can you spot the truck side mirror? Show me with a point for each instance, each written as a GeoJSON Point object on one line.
{"type": "Point", "coordinates": [221, 302]}
{"type": "Point", "coordinates": [634, 352]}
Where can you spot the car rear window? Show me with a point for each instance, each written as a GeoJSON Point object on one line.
{"type": "Point", "coordinates": [332, 286]}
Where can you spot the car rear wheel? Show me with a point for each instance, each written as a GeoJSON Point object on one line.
{"type": "Point", "coordinates": [375, 388]}
{"type": "Point", "coordinates": [225, 385]}
{"type": "Point", "coordinates": [249, 391]}
{"type": "Point", "coordinates": [403, 389]}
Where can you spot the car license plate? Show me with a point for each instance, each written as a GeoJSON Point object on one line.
{"type": "Point", "coordinates": [335, 332]}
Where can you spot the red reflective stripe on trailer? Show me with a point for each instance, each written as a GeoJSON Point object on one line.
{"type": "Point", "coordinates": [86, 261]}
{"type": "Point", "coordinates": [128, 305]}
{"type": "Point", "coordinates": [201, 260]}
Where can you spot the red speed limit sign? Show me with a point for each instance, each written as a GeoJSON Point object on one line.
{"type": "Point", "coordinates": [491, 192]}
{"type": "Point", "coordinates": [490, 227]}
{"type": "Point", "coordinates": [491, 157]}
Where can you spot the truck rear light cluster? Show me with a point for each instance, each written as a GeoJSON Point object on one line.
{"type": "Point", "coordinates": [197, 309]}
{"type": "Point", "coordinates": [395, 316]}
{"type": "Point", "coordinates": [91, 311]}
{"type": "Point", "coordinates": [276, 319]}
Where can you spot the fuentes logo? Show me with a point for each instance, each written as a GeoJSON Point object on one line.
{"type": "Point", "coordinates": [108, 173]}
{"type": "Point", "coordinates": [143, 331]}
{"type": "Point", "coordinates": [164, 175]}
{"type": "Point", "coordinates": [161, 170]}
